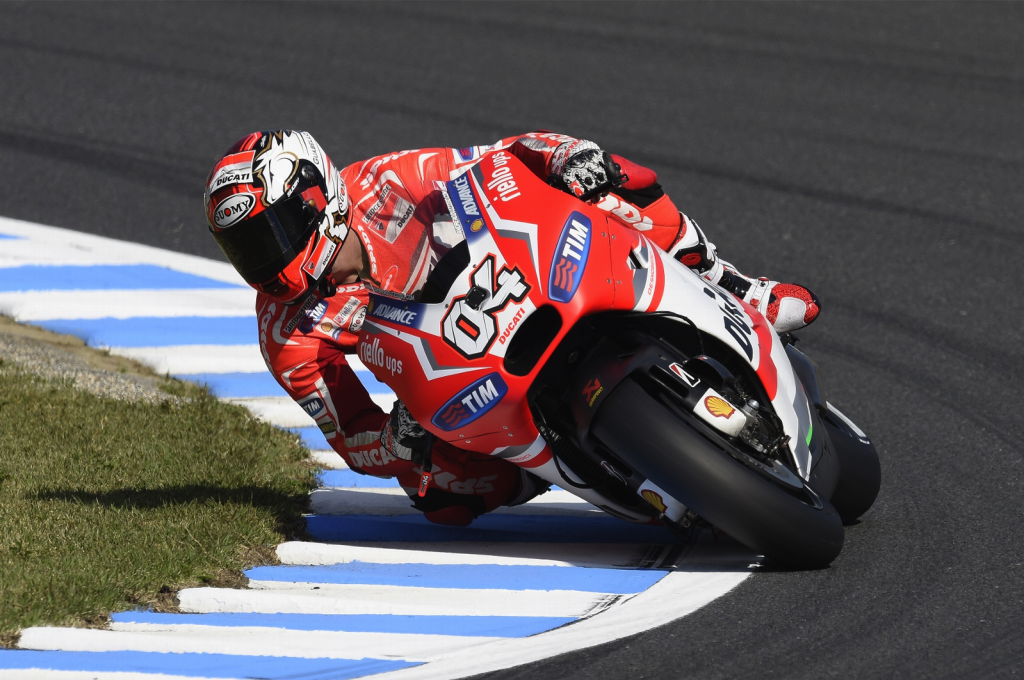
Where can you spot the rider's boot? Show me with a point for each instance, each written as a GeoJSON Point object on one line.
{"type": "Point", "coordinates": [787, 306]}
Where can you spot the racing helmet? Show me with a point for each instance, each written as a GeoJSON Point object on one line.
{"type": "Point", "coordinates": [279, 210]}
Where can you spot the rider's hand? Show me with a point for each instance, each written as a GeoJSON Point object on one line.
{"type": "Point", "coordinates": [581, 168]}
{"type": "Point", "coordinates": [402, 435]}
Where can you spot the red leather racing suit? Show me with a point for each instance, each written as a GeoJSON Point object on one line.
{"type": "Point", "coordinates": [396, 206]}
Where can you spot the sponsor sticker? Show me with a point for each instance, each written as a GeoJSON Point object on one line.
{"type": "Point", "coordinates": [232, 209]}
{"type": "Point", "coordinates": [234, 173]}
{"type": "Point", "coordinates": [471, 403]}
{"type": "Point", "coordinates": [467, 210]}
{"type": "Point", "coordinates": [313, 405]}
{"type": "Point", "coordinates": [571, 255]}
{"type": "Point", "coordinates": [357, 320]}
{"type": "Point", "coordinates": [395, 311]}
{"type": "Point", "coordinates": [718, 407]}
{"type": "Point", "coordinates": [319, 258]}
{"type": "Point", "coordinates": [313, 316]}
{"type": "Point", "coordinates": [343, 316]}
{"type": "Point", "coordinates": [372, 354]}
{"type": "Point", "coordinates": [655, 499]}
{"type": "Point", "coordinates": [661, 501]}
{"type": "Point", "coordinates": [683, 375]}
{"type": "Point", "coordinates": [592, 391]}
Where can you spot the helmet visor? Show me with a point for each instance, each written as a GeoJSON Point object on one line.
{"type": "Point", "coordinates": [261, 246]}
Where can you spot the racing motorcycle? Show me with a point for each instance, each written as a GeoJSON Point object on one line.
{"type": "Point", "coordinates": [563, 342]}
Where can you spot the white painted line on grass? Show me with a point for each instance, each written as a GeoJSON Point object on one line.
{"type": "Point", "coordinates": [43, 305]}
{"type": "Point", "coordinates": [401, 600]}
{"type": "Point", "coordinates": [246, 641]}
{"type": "Point", "coordinates": [328, 459]}
{"type": "Point", "coordinates": [620, 555]}
{"type": "Point", "coordinates": [47, 674]}
{"type": "Point", "coordinates": [323, 554]}
{"type": "Point", "coordinates": [41, 245]}
{"type": "Point", "coordinates": [394, 502]}
{"type": "Point", "coordinates": [184, 359]}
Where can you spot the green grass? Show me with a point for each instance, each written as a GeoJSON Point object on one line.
{"type": "Point", "coordinates": [107, 505]}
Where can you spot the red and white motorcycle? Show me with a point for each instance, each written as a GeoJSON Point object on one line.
{"type": "Point", "coordinates": [567, 344]}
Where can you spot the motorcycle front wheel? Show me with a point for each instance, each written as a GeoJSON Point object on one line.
{"type": "Point", "coordinates": [780, 517]}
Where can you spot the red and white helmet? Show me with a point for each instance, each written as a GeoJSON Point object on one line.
{"type": "Point", "coordinates": [278, 208]}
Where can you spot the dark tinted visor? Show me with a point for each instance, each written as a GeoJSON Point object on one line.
{"type": "Point", "coordinates": [261, 246]}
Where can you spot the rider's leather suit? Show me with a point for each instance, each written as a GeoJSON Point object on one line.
{"type": "Point", "coordinates": [395, 201]}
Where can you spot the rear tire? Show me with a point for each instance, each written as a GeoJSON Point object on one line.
{"type": "Point", "coordinates": [796, 528]}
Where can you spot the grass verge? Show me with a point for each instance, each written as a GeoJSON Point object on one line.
{"type": "Point", "coordinates": [107, 505]}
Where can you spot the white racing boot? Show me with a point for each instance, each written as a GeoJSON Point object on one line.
{"type": "Point", "coordinates": [787, 306]}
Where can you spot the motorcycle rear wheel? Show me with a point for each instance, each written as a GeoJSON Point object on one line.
{"type": "Point", "coordinates": [794, 527]}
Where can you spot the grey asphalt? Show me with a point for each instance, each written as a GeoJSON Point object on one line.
{"type": "Point", "coordinates": [871, 151]}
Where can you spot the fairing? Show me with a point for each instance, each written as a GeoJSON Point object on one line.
{"type": "Point", "coordinates": [532, 247]}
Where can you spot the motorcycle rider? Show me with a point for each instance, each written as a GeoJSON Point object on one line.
{"type": "Point", "coordinates": [313, 240]}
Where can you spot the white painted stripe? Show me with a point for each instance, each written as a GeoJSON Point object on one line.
{"type": "Point", "coordinates": [400, 600]}
{"type": "Point", "coordinates": [529, 554]}
{"type": "Point", "coordinates": [186, 359]}
{"type": "Point", "coordinates": [46, 674]}
{"type": "Point", "coordinates": [284, 412]}
{"type": "Point", "coordinates": [675, 596]}
{"type": "Point", "coordinates": [44, 305]}
{"type": "Point", "coordinates": [308, 644]}
{"type": "Point", "coordinates": [393, 502]}
{"type": "Point", "coordinates": [281, 411]}
{"type": "Point", "coordinates": [328, 459]}
{"type": "Point", "coordinates": [42, 245]}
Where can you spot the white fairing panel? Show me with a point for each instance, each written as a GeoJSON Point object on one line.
{"type": "Point", "coordinates": [716, 312]}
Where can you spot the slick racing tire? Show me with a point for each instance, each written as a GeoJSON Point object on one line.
{"type": "Point", "coordinates": [860, 474]}
{"type": "Point", "coordinates": [794, 527]}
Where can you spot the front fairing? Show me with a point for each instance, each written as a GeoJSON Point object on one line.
{"type": "Point", "coordinates": [661, 283]}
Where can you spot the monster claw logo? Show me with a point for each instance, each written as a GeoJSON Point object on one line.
{"type": "Point", "coordinates": [718, 407]}
{"type": "Point", "coordinates": [571, 255]}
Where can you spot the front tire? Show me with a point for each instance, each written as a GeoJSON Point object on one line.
{"type": "Point", "coordinates": [860, 476]}
{"type": "Point", "coordinates": [793, 527]}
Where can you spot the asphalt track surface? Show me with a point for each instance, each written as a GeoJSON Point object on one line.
{"type": "Point", "coordinates": [873, 152]}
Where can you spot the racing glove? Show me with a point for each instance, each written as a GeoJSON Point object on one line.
{"type": "Point", "coordinates": [582, 169]}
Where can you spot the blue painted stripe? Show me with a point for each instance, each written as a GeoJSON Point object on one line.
{"type": "Point", "coordinates": [228, 385]}
{"type": "Point", "coordinates": [312, 437]}
{"type": "Point", "coordinates": [468, 626]}
{"type": "Point", "coordinates": [199, 665]}
{"type": "Point", "coordinates": [498, 528]}
{"type": "Point", "coordinates": [349, 479]}
{"type": "Point", "coordinates": [11, 237]}
{"type": "Point", "coordinates": [473, 576]}
{"type": "Point", "coordinates": [101, 277]}
{"type": "Point", "coordinates": [158, 331]}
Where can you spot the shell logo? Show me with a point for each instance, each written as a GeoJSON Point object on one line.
{"type": "Point", "coordinates": [477, 225]}
{"type": "Point", "coordinates": [655, 499]}
{"type": "Point", "coordinates": [718, 407]}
